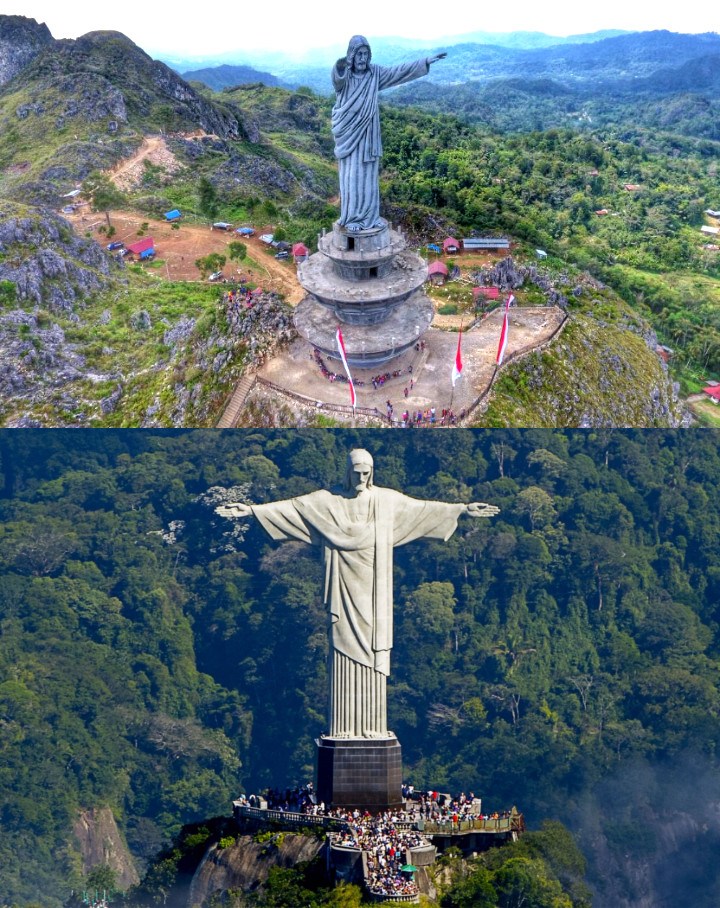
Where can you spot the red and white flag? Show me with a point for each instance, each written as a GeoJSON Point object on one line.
{"type": "Point", "coordinates": [343, 357]}
{"type": "Point", "coordinates": [504, 333]}
{"type": "Point", "coordinates": [457, 365]}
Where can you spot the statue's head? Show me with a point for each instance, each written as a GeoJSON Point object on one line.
{"type": "Point", "coordinates": [359, 473]}
{"type": "Point", "coordinates": [359, 54]}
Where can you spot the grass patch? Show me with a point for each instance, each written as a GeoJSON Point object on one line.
{"type": "Point", "coordinates": [707, 413]}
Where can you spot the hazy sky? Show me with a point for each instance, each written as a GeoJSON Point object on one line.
{"type": "Point", "coordinates": [178, 28]}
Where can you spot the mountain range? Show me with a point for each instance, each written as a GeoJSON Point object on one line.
{"type": "Point", "coordinates": [597, 62]}
{"type": "Point", "coordinates": [264, 155]}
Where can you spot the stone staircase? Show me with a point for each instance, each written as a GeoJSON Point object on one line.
{"type": "Point", "coordinates": [237, 401]}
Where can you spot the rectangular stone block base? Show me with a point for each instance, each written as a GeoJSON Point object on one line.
{"type": "Point", "coordinates": [362, 773]}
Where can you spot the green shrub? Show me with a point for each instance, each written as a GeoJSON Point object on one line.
{"type": "Point", "coordinates": [8, 293]}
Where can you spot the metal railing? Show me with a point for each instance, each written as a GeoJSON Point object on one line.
{"type": "Point", "coordinates": [450, 827]}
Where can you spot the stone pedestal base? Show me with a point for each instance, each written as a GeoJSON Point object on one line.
{"type": "Point", "coordinates": [362, 773]}
{"type": "Point", "coordinates": [366, 346]}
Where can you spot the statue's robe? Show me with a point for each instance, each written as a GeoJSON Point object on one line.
{"type": "Point", "coordinates": [356, 128]}
{"type": "Point", "coordinates": [358, 558]}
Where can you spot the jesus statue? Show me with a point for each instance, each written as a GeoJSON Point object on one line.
{"type": "Point", "coordinates": [356, 128]}
{"type": "Point", "coordinates": [357, 528]}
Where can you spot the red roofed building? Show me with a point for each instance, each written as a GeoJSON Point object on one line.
{"type": "Point", "coordinates": [144, 247]}
{"type": "Point", "coordinates": [437, 272]}
{"type": "Point", "coordinates": [713, 392]}
{"type": "Point", "coordinates": [300, 252]}
{"type": "Point", "coordinates": [451, 245]}
{"type": "Point", "coordinates": [490, 293]}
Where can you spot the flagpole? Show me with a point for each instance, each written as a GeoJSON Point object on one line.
{"type": "Point", "coordinates": [457, 363]}
{"type": "Point", "coordinates": [343, 356]}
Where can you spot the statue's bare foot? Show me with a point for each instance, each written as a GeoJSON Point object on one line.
{"type": "Point", "coordinates": [353, 228]}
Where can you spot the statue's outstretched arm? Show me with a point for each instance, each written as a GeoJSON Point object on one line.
{"type": "Point", "coordinates": [234, 510]}
{"type": "Point", "coordinates": [480, 509]}
{"type": "Point", "coordinates": [435, 58]}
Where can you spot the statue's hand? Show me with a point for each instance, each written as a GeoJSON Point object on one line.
{"type": "Point", "coordinates": [341, 65]}
{"type": "Point", "coordinates": [435, 58]}
{"type": "Point", "coordinates": [234, 510]}
{"type": "Point", "coordinates": [480, 509]}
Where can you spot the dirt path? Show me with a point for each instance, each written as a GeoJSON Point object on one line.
{"type": "Point", "coordinates": [128, 174]}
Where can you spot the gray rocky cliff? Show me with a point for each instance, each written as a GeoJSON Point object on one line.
{"type": "Point", "coordinates": [245, 865]}
{"type": "Point", "coordinates": [46, 262]}
{"type": "Point", "coordinates": [100, 843]}
{"type": "Point", "coordinates": [21, 40]}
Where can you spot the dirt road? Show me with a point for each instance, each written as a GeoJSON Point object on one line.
{"type": "Point", "coordinates": [177, 250]}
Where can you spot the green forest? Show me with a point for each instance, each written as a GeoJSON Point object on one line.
{"type": "Point", "coordinates": [563, 657]}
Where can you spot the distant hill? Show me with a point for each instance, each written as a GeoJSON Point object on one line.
{"type": "Point", "coordinates": [639, 79]}
{"type": "Point", "coordinates": [698, 74]}
{"type": "Point", "coordinates": [226, 76]}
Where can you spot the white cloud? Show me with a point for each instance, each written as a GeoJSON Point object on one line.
{"type": "Point", "coordinates": [168, 27]}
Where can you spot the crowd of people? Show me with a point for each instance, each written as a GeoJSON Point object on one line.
{"type": "Point", "coordinates": [429, 806]}
{"type": "Point", "coordinates": [410, 419]}
{"type": "Point", "coordinates": [379, 380]}
{"type": "Point", "coordinates": [428, 418]}
{"type": "Point", "coordinates": [240, 294]}
{"type": "Point", "coordinates": [387, 838]}
{"type": "Point", "coordinates": [386, 848]}
{"type": "Point", "coordinates": [328, 373]}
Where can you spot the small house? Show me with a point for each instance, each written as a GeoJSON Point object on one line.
{"type": "Point", "coordinates": [245, 231]}
{"type": "Point", "coordinates": [300, 253]}
{"type": "Point", "coordinates": [484, 243]}
{"type": "Point", "coordinates": [450, 246]}
{"type": "Point", "coordinates": [713, 392]}
{"type": "Point", "coordinates": [711, 230]}
{"type": "Point", "coordinates": [143, 249]}
{"type": "Point", "coordinates": [173, 215]}
{"type": "Point", "coordinates": [485, 293]}
{"type": "Point", "coordinates": [221, 225]}
{"type": "Point", "coordinates": [541, 254]}
{"type": "Point", "coordinates": [632, 187]}
{"type": "Point", "coordinates": [712, 213]}
{"type": "Point", "coordinates": [602, 211]}
{"type": "Point", "coordinates": [437, 273]}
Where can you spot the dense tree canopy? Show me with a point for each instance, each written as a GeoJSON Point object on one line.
{"type": "Point", "coordinates": [156, 660]}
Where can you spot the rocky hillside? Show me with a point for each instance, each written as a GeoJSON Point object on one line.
{"type": "Point", "coordinates": [245, 865]}
{"type": "Point", "coordinates": [100, 843]}
{"type": "Point", "coordinates": [47, 277]}
{"type": "Point", "coordinates": [597, 374]}
{"type": "Point", "coordinates": [21, 39]}
{"type": "Point", "coordinates": [43, 262]}
{"type": "Point", "coordinates": [69, 107]}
